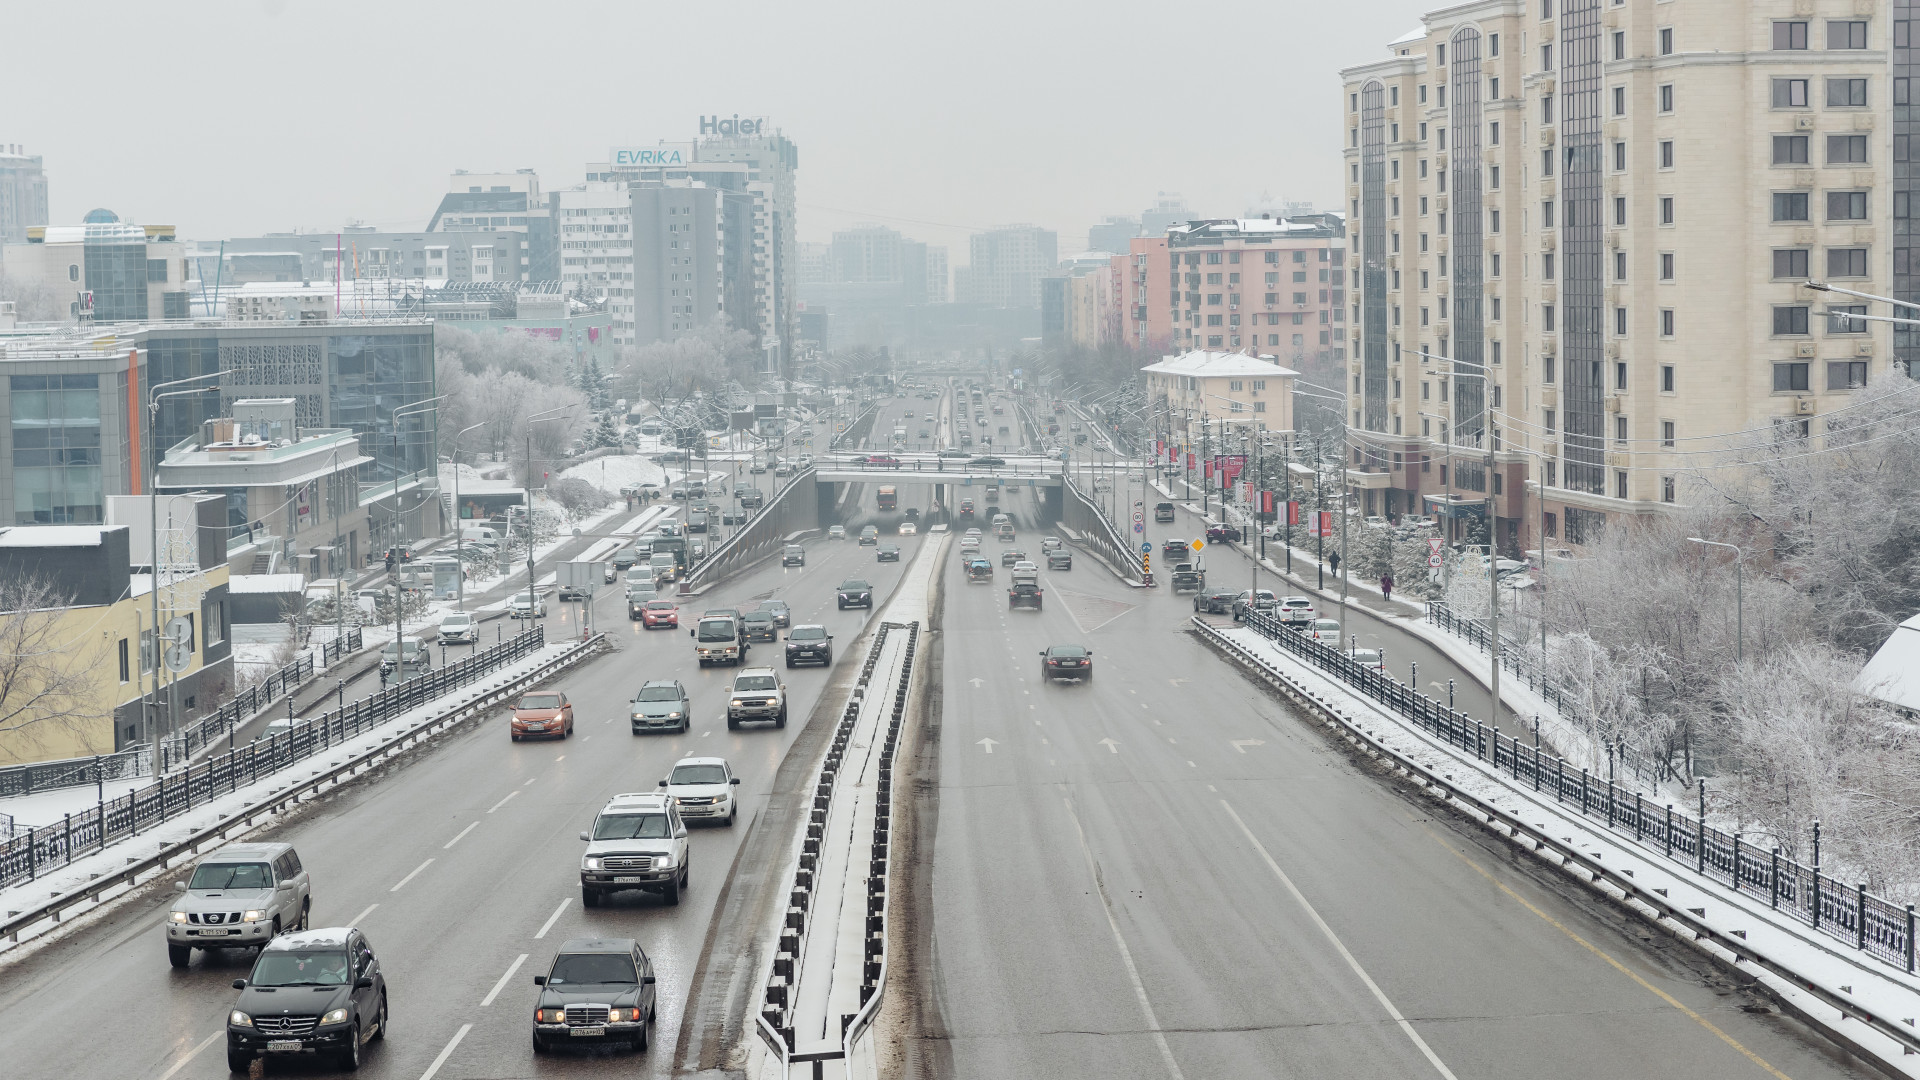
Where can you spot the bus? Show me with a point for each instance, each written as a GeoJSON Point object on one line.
{"type": "Point", "coordinates": [888, 499]}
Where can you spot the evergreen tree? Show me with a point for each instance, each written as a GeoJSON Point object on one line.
{"type": "Point", "coordinates": [606, 434]}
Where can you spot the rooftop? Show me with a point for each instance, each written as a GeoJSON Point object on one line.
{"type": "Point", "coordinates": [33, 536]}
{"type": "Point", "coordinates": [1203, 364]}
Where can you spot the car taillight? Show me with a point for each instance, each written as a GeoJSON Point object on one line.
{"type": "Point", "coordinates": [1053, 663]}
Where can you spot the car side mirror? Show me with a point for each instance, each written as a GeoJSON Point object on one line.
{"type": "Point", "coordinates": [662, 783]}
{"type": "Point", "coordinates": [364, 982]}
{"type": "Point", "coordinates": [179, 886]}
{"type": "Point", "coordinates": [690, 631]}
{"type": "Point", "coordinates": [735, 780]}
{"type": "Point", "coordinates": [584, 836]}
{"type": "Point", "coordinates": [239, 984]}
{"type": "Point", "coordinates": [680, 832]}
{"type": "Point", "coordinates": [539, 980]}
{"type": "Point", "coordinates": [1043, 652]}
{"type": "Point", "coordinates": [283, 886]}
{"type": "Point", "coordinates": [646, 980]}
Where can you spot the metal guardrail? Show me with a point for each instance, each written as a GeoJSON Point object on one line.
{"type": "Point", "coordinates": [182, 745]}
{"type": "Point", "coordinates": [752, 540]}
{"type": "Point", "coordinates": [775, 1021]}
{"type": "Point", "coordinates": [1848, 913]}
{"type": "Point", "coordinates": [18, 780]}
{"type": "Point", "coordinates": [24, 857]}
{"type": "Point", "coordinates": [1081, 512]}
{"type": "Point", "coordinates": [331, 652]}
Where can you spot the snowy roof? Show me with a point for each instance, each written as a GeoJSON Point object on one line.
{"type": "Point", "coordinates": [1202, 364]}
{"type": "Point", "coordinates": [1418, 33]}
{"type": "Point", "coordinates": [34, 536]}
{"type": "Point", "coordinates": [265, 583]}
{"type": "Point", "coordinates": [1893, 674]}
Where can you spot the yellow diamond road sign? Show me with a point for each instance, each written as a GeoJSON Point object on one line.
{"type": "Point", "coordinates": [1197, 544]}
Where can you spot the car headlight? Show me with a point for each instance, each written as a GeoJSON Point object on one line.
{"type": "Point", "coordinates": [178, 916]}
{"type": "Point", "coordinates": [337, 1016]}
{"type": "Point", "coordinates": [591, 863]}
{"type": "Point", "coordinates": [673, 716]}
{"type": "Point", "coordinates": [254, 915]}
{"type": "Point", "coordinates": [663, 862]}
{"type": "Point", "coordinates": [239, 1019]}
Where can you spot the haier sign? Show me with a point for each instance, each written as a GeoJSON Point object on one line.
{"type": "Point", "coordinates": [734, 125]}
{"type": "Point", "coordinates": [663, 155]}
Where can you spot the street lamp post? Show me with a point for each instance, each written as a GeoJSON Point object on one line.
{"type": "Point", "coordinates": [1493, 558]}
{"type": "Point", "coordinates": [153, 528]}
{"type": "Point", "coordinates": [552, 414]}
{"type": "Point", "coordinates": [1739, 600]}
{"type": "Point", "coordinates": [459, 532]}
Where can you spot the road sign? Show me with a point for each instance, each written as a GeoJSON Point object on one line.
{"type": "Point", "coordinates": [580, 574]}
{"type": "Point", "coordinates": [178, 656]}
{"type": "Point", "coordinates": [1197, 544]}
{"type": "Point", "coordinates": [1433, 561]}
{"type": "Point", "coordinates": [179, 630]}
{"type": "Point", "coordinates": [1140, 527]}
{"type": "Point", "coordinates": [1434, 544]}
{"type": "Point", "coordinates": [1146, 548]}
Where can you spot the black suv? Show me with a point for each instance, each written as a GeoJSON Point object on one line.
{"type": "Point", "coordinates": [809, 645]}
{"type": "Point", "coordinates": [1217, 600]}
{"type": "Point", "coordinates": [599, 991]}
{"type": "Point", "coordinates": [316, 993]}
{"type": "Point", "coordinates": [760, 626]}
{"type": "Point", "coordinates": [854, 593]}
{"type": "Point", "coordinates": [793, 555]}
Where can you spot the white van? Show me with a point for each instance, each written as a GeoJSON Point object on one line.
{"type": "Point", "coordinates": [479, 534]}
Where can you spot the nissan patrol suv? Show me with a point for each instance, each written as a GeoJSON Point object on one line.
{"type": "Point", "coordinates": [637, 842]}
{"type": "Point", "coordinates": [236, 898]}
{"type": "Point", "coordinates": [757, 695]}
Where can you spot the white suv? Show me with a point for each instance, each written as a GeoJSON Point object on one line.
{"type": "Point", "coordinates": [702, 787]}
{"type": "Point", "coordinates": [758, 694]}
{"type": "Point", "coordinates": [637, 842]}
{"type": "Point", "coordinates": [238, 897]}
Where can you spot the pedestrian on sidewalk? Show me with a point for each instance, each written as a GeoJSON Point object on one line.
{"type": "Point", "coordinates": [1333, 562]}
{"type": "Point", "coordinates": [1386, 585]}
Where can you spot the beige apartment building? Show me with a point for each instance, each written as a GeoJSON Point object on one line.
{"type": "Point", "coordinates": [1598, 215]}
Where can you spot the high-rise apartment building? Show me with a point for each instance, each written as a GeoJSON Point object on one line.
{"type": "Point", "coordinates": [595, 225]}
{"type": "Point", "coordinates": [1007, 264]}
{"type": "Point", "coordinates": [1582, 229]}
{"type": "Point", "coordinates": [503, 202]}
{"type": "Point", "coordinates": [23, 194]}
{"type": "Point", "coordinates": [692, 261]}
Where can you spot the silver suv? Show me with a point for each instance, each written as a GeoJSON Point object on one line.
{"type": "Point", "coordinates": [236, 898]}
{"type": "Point", "coordinates": [637, 842]}
{"type": "Point", "coordinates": [758, 694]}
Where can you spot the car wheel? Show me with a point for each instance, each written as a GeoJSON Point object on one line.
{"type": "Point", "coordinates": [350, 1057]}
{"type": "Point", "coordinates": [538, 1046]}
{"type": "Point", "coordinates": [180, 956]}
{"type": "Point", "coordinates": [589, 898]}
{"type": "Point", "coordinates": [732, 724]}
{"type": "Point", "coordinates": [380, 1032]}
{"type": "Point", "coordinates": [239, 1061]}
{"type": "Point", "coordinates": [672, 893]}
{"type": "Point", "coordinates": [1088, 677]}
{"type": "Point", "coordinates": [781, 721]}
{"type": "Point", "coordinates": [274, 930]}
{"type": "Point", "coordinates": [640, 1042]}
{"type": "Point", "coordinates": [306, 913]}
{"type": "Point", "coordinates": [732, 811]}
{"type": "Point", "coordinates": [514, 737]}
{"type": "Point", "coordinates": [828, 662]}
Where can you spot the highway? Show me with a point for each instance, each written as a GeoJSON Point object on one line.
{"type": "Point", "coordinates": [1164, 874]}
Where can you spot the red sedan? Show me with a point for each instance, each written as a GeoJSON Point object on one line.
{"type": "Point", "coordinates": [659, 613]}
{"type": "Point", "coordinates": [881, 461]}
{"type": "Point", "coordinates": [545, 714]}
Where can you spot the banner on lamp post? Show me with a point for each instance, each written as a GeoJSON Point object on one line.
{"type": "Point", "coordinates": [1293, 512]}
{"type": "Point", "coordinates": [1325, 522]}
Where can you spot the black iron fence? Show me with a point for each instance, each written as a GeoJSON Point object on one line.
{"type": "Point", "coordinates": [26, 856]}
{"type": "Point", "coordinates": [1846, 912]}
{"type": "Point", "coordinates": [72, 772]}
{"type": "Point", "coordinates": [331, 652]}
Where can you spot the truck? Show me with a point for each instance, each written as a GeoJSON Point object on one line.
{"type": "Point", "coordinates": [887, 497]}
{"type": "Point", "coordinates": [719, 639]}
{"type": "Point", "coordinates": [672, 545]}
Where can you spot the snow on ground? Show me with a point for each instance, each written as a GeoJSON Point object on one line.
{"type": "Point", "coordinates": [616, 471]}
{"type": "Point", "coordinates": [43, 808]}
{"type": "Point", "coordinates": [1878, 987]}
{"type": "Point", "coordinates": [55, 882]}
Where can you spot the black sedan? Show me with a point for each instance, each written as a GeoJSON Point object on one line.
{"type": "Point", "coordinates": [599, 991]}
{"type": "Point", "coordinates": [1066, 662]}
{"type": "Point", "coordinates": [1217, 600]}
{"type": "Point", "coordinates": [1011, 556]}
{"type": "Point", "coordinates": [315, 993]}
{"type": "Point", "coordinates": [887, 553]}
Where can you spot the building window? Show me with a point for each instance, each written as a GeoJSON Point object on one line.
{"type": "Point", "coordinates": [1846, 206]}
{"type": "Point", "coordinates": [1666, 153]}
{"type": "Point", "coordinates": [1790, 319]}
{"type": "Point", "coordinates": [1619, 210]}
{"type": "Point", "coordinates": [1666, 266]}
{"type": "Point", "coordinates": [1620, 430]}
{"type": "Point", "coordinates": [1548, 417]}
{"type": "Point", "coordinates": [1666, 489]}
{"type": "Point", "coordinates": [1788, 378]}
{"type": "Point", "coordinates": [1546, 317]}
{"type": "Point", "coordinates": [1619, 101]}
{"type": "Point", "coordinates": [1666, 41]}
{"type": "Point", "coordinates": [157, 270]}
{"type": "Point", "coordinates": [1789, 149]}
{"type": "Point", "coordinates": [1846, 149]}
{"type": "Point", "coordinates": [1619, 44]}
{"type": "Point", "coordinates": [1789, 206]}
{"type": "Point", "coordinates": [1666, 434]}
{"type": "Point", "coordinates": [1619, 266]}
{"type": "Point", "coordinates": [1620, 322]}
{"type": "Point", "coordinates": [1620, 483]}
{"type": "Point", "coordinates": [1789, 93]}
{"type": "Point", "coordinates": [1790, 263]}
{"type": "Point", "coordinates": [1665, 95]}
{"type": "Point", "coordinates": [1842, 34]}
{"type": "Point", "coordinates": [1838, 321]}
{"type": "Point", "coordinates": [1666, 378]}
{"type": "Point", "coordinates": [1666, 322]}
{"type": "Point", "coordinates": [1790, 35]}
{"type": "Point", "coordinates": [1841, 262]}
{"type": "Point", "coordinates": [126, 675]}
{"type": "Point", "coordinates": [1841, 375]}
{"type": "Point", "coordinates": [1846, 93]}
{"type": "Point", "coordinates": [1666, 209]}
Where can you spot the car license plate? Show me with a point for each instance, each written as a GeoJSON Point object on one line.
{"type": "Point", "coordinates": [283, 1044]}
{"type": "Point", "coordinates": [626, 881]}
{"type": "Point", "coordinates": [215, 933]}
{"type": "Point", "coordinates": [596, 1029]}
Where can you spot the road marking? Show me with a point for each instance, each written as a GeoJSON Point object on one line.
{"type": "Point", "coordinates": [556, 761]}
{"type": "Point", "coordinates": [1170, 739]}
{"type": "Point", "coordinates": [706, 733]}
{"type": "Point", "coordinates": [446, 1053]}
{"type": "Point", "coordinates": [1334, 939]}
{"type": "Point", "coordinates": [1177, 682]}
{"type": "Point", "coordinates": [503, 802]}
{"type": "Point", "coordinates": [609, 720]}
{"type": "Point", "coordinates": [502, 984]}
{"type": "Point", "coordinates": [1615, 964]}
{"type": "Point", "coordinates": [1112, 747]}
{"type": "Point", "coordinates": [530, 780]}
{"type": "Point", "coordinates": [456, 839]}
{"type": "Point", "coordinates": [355, 921]}
{"type": "Point", "coordinates": [988, 743]}
{"type": "Point", "coordinates": [551, 919]}
{"type": "Point", "coordinates": [1126, 956]}
{"type": "Point", "coordinates": [410, 877]}
{"type": "Point", "coordinates": [1242, 744]}
{"type": "Point", "coordinates": [1191, 765]}
{"type": "Point", "coordinates": [976, 682]}
{"type": "Point", "coordinates": [188, 1056]}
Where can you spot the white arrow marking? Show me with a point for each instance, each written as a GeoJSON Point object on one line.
{"type": "Point", "coordinates": [975, 682]}
{"type": "Point", "coordinates": [988, 743]}
{"type": "Point", "coordinates": [1242, 744]}
{"type": "Point", "coordinates": [1112, 747]}
{"type": "Point", "coordinates": [1176, 682]}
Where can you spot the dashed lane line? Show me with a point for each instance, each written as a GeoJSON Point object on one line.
{"type": "Point", "coordinates": [551, 919]}
{"type": "Point", "coordinates": [502, 984]}
{"type": "Point", "coordinates": [416, 873]}
{"type": "Point", "coordinates": [463, 832]}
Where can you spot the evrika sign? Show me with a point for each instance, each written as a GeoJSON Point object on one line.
{"type": "Point", "coordinates": [663, 155]}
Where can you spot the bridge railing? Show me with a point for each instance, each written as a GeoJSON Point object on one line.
{"type": "Point", "coordinates": [1084, 516]}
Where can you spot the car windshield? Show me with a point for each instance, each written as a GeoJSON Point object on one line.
{"type": "Point", "coordinates": [540, 701]}
{"type": "Point", "coordinates": [593, 969]}
{"type": "Point", "coordinates": [698, 774]}
{"type": "Point", "coordinates": [232, 876]}
{"type": "Point", "coordinates": [759, 616]}
{"type": "Point", "coordinates": [631, 827]}
{"type": "Point", "coordinates": [1069, 650]}
{"type": "Point", "coordinates": [854, 586]}
{"type": "Point", "coordinates": [275, 968]}
{"type": "Point", "coordinates": [807, 633]}
{"type": "Point", "coordinates": [717, 630]}
{"type": "Point", "coordinates": [658, 693]}
{"type": "Point", "coordinates": [753, 682]}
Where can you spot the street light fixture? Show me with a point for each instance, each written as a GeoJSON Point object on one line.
{"type": "Point", "coordinates": [459, 531]}
{"type": "Point", "coordinates": [551, 414]}
{"type": "Point", "coordinates": [1493, 549]}
{"type": "Point", "coordinates": [1739, 599]}
{"type": "Point", "coordinates": [153, 527]}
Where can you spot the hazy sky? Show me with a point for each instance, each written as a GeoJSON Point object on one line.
{"type": "Point", "coordinates": [233, 119]}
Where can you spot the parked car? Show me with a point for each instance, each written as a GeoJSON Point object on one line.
{"type": "Point", "coordinates": [541, 714]}
{"type": "Point", "coordinates": [341, 1000]}
{"type": "Point", "coordinates": [458, 628]}
{"type": "Point", "coordinates": [1295, 612]}
{"type": "Point", "coordinates": [702, 787]}
{"type": "Point", "coordinates": [758, 694]}
{"type": "Point", "coordinates": [637, 841]}
{"type": "Point", "coordinates": [1215, 600]}
{"type": "Point", "coordinates": [809, 644]}
{"type": "Point", "coordinates": [661, 705]}
{"type": "Point", "coordinates": [1326, 632]}
{"type": "Point", "coordinates": [1066, 662]}
{"type": "Point", "coordinates": [1262, 600]}
{"type": "Point", "coordinates": [238, 897]}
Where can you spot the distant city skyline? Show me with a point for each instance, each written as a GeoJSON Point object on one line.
{"type": "Point", "coordinates": [272, 147]}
